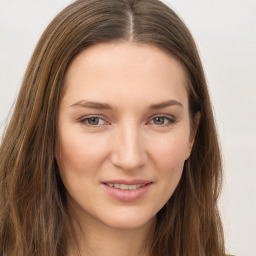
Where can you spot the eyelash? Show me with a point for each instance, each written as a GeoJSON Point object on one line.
{"type": "Point", "coordinates": [170, 121]}
{"type": "Point", "coordinates": [85, 121]}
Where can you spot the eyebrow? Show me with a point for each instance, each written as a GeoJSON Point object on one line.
{"type": "Point", "coordinates": [92, 105]}
{"type": "Point", "coordinates": [106, 106]}
{"type": "Point", "coordinates": [166, 104]}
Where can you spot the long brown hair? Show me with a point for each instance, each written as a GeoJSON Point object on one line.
{"type": "Point", "coordinates": [33, 199]}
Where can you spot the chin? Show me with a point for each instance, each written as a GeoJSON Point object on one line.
{"type": "Point", "coordinates": [128, 220]}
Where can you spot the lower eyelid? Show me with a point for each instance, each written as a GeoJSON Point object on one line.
{"type": "Point", "coordinates": [171, 120]}
{"type": "Point", "coordinates": [84, 120]}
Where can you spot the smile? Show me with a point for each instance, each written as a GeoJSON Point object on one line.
{"type": "Point", "coordinates": [127, 191]}
{"type": "Point", "coordinates": [125, 186]}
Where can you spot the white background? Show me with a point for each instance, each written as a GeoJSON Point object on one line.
{"type": "Point", "coordinates": [225, 32]}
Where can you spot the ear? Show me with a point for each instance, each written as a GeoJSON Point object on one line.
{"type": "Point", "coordinates": [195, 124]}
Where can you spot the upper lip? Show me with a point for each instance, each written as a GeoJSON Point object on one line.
{"type": "Point", "coordinates": [127, 182]}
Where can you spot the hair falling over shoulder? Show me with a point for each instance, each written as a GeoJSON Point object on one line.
{"type": "Point", "coordinates": [33, 214]}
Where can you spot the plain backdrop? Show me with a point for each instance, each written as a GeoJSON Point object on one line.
{"type": "Point", "coordinates": [225, 32]}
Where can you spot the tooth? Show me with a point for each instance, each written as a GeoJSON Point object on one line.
{"type": "Point", "coordinates": [131, 187]}
{"type": "Point", "coordinates": [123, 186]}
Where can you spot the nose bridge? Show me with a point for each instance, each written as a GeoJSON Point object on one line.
{"type": "Point", "coordinates": [129, 152]}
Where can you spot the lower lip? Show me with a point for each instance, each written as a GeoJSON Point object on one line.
{"type": "Point", "coordinates": [126, 195]}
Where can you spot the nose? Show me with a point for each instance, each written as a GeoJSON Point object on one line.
{"type": "Point", "coordinates": [128, 151]}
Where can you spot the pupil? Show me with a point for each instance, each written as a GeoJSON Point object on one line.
{"type": "Point", "coordinates": [159, 120]}
{"type": "Point", "coordinates": [93, 121]}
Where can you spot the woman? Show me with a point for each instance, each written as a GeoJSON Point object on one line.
{"type": "Point", "coordinates": [112, 147]}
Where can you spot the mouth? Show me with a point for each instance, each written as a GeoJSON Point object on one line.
{"type": "Point", "coordinates": [127, 191]}
{"type": "Point", "coordinates": [125, 186]}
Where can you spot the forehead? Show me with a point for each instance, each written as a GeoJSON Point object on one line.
{"type": "Point", "coordinates": [125, 71]}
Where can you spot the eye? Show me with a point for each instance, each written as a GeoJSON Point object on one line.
{"type": "Point", "coordinates": [93, 121]}
{"type": "Point", "coordinates": [162, 120]}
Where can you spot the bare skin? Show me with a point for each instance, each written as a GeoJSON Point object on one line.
{"type": "Point", "coordinates": [123, 126]}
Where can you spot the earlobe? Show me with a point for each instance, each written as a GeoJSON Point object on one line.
{"type": "Point", "coordinates": [194, 128]}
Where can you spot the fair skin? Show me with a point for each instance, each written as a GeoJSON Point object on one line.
{"type": "Point", "coordinates": [124, 133]}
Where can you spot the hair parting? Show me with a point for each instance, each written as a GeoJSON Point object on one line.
{"type": "Point", "coordinates": [33, 202]}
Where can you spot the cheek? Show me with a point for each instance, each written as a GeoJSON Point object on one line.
{"type": "Point", "coordinates": [170, 153]}
{"type": "Point", "coordinates": [171, 162]}
{"type": "Point", "coordinates": [169, 158]}
{"type": "Point", "coordinates": [80, 156]}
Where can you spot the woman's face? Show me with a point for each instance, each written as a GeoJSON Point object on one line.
{"type": "Point", "coordinates": [123, 133]}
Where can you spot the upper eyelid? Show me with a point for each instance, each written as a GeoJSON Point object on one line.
{"type": "Point", "coordinates": [90, 116]}
{"type": "Point", "coordinates": [84, 121]}
{"type": "Point", "coordinates": [107, 121]}
{"type": "Point", "coordinates": [163, 115]}
{"type": "Point", "coordinates": [171, 120]}
{"type": "Point", "coordinates": [102, 116]}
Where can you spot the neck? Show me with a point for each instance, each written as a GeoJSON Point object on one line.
{"type": "Point", "coordinates": [96, 239]}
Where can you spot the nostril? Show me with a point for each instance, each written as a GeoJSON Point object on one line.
{"type": "Point", "coordinates": [129, 162]}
